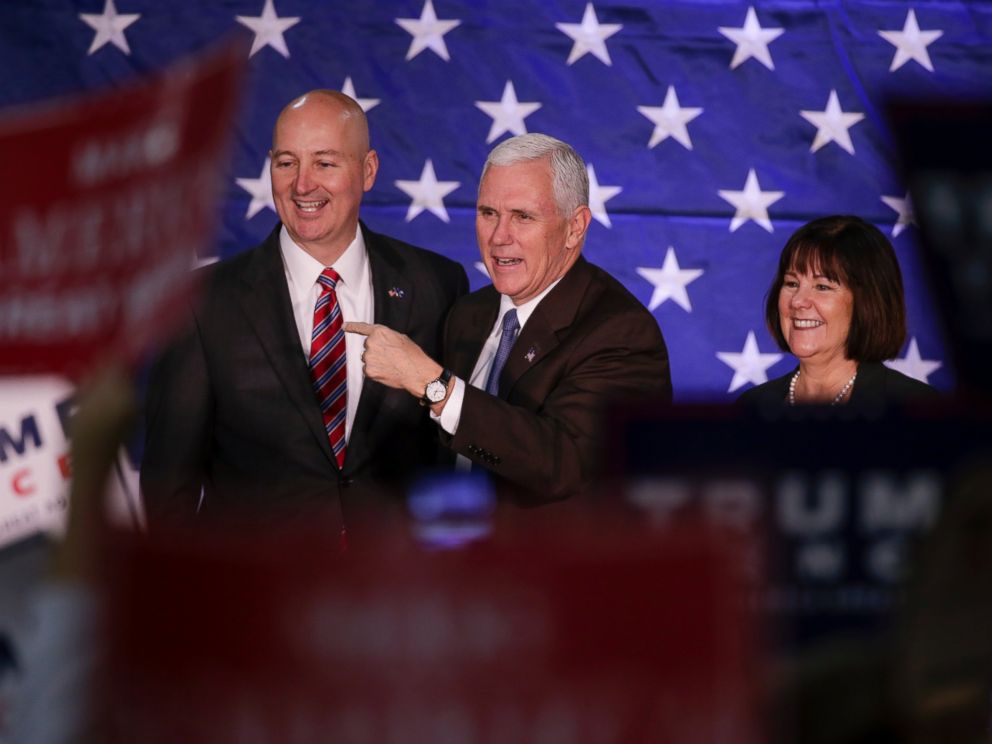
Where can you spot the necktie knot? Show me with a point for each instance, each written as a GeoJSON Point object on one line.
{"type": "Point", "coordinates": [510, 324]}
{"type": "Point", "coordinates": [328, 279]}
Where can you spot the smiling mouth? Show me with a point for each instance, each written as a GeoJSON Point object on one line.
{"type": "Point", "coordinates": [506, 261]}
{"type": "Point", "coordinates": [800, 323]}
{"type": "Point", "coordinates": [309, 206]}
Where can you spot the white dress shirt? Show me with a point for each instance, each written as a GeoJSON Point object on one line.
{"type": "Point", "coordinates": [354, 292]}
{"type": "Point", "coordinates": [451, 414]}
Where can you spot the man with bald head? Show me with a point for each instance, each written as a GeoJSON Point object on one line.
{"type": "Point", "coordinates": [260, 409]}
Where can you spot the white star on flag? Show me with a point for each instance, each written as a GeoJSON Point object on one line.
{"type": "Point", "coordinates": [904, 208]}
{"type": "Point", "coordinates": [912, 365]}
{"type": "Point", "coordinates": [427, 193]}
{"type": "Point", "coordinates": [428, 32]}
{"type": "Point", "coordinates": [670, 282]}
{"type": "Point", "coordinates": [911, 43]}
{"type": "Point", "coordinates": [367, 104]}
{"type": "Point", "coordinates": [508, 113]}
{"type": "Point", "coordinates": [749, 365]}
{"type": "Point", "coordinates": [832, 124]}
{"type": "Point", "coordinates": [109, 26]}
{"type": "Point", "coordinates": [261, 191]}
{"type": "Point", "coordinates": [752, 40]}
{"type": "Point", "coordinates": [589, 36]}
{"type": "Point", "coordinates": [599, 195]}
{"type": "Point", "coordinates": [268, 29]}
{"type": "Point", "coordinates": [751, 203]}
{"type": "Point", "coordinates": [670, 120]}
{"type": "Point", "coordinates": [481, 267]}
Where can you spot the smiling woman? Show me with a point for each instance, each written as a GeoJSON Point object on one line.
{"type": "Point", "coordinates": [837, 305]}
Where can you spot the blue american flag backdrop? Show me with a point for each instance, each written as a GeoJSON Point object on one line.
{"type": "Point", "coordinates": [712, 129]}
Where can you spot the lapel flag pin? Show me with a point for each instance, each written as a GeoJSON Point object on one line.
{"type": "Point", "coordinates": [531, 353]}
{"type": "Point", "coordinates": [395, 292]}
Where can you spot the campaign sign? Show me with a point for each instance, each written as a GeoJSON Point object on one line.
{"type": "Point", "coordinates": [597, 634]}
{"type": "Point", "coordinates": [105, 199]}
{"type": "Point", "coordinates": [34, 455]}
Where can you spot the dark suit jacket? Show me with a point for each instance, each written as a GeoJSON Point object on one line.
{"type": "Point", "coordinates": [231, 405]}
{"type": "Point", "coordinates": [876, 385]}
{"type": "Point", "coordinates": [588, 342]}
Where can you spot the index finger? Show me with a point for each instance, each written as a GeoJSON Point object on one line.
{"type": "Point", "coordinates": [355, 327]}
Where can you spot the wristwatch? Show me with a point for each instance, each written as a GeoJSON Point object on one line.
{"type": "Point", "coordinates": [435, 390]}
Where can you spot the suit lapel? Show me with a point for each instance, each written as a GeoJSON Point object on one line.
{"type": "Point", "coordinates": [539, 336]}
{"type": "Point", "coordinates": [265, 302]}
{"type": "Point", "coordinates": [469, 331]}
{"type": "Point", "coordinates": [393, 295]}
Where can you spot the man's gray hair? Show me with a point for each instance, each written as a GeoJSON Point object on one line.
{"type": "Point", "coordinates": [568, 171]}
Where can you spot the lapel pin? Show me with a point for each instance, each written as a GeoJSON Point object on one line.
{"type": "Point", "coordinates": [531, 353]}
{"type": "Point", "coordinates": [396, 292]}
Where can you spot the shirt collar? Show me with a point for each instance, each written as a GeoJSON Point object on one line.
{"type": "Point", "coordinates": [303, 269]}
{"type": "Point", "coordinates": [525, 310]}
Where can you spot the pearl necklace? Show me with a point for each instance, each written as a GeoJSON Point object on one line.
{"type": "Point", "coordinates": [840, 396]}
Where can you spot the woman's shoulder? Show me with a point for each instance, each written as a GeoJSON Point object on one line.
{"type": "Point", "coordinates": [773, 391]}
{"type": "Point", "coordinates": [879, 380]}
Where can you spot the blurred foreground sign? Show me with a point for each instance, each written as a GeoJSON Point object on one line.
{"type": "Point", "coordinates": [104, 201]}
{"type": "Point", "coordinates": [597, 635]}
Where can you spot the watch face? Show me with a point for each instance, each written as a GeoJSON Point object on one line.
{"type": "Point", "coordinates": [435, 391]}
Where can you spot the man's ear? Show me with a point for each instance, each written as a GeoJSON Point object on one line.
{"type": "Point", "coordinates": [578, 224]}
{"type": "Point", "coordinates": [370, 167]}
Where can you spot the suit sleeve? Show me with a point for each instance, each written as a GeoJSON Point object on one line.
{"type": "Point", "coordinates": [550, 447]}
{"type": "Point", "coordinates": [178, 416]}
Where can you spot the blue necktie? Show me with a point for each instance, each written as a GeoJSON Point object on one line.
{"type": "Point", "coordinates": [506, 339]}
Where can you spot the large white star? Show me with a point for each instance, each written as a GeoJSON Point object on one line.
{"type": "Point", "coordinates": [261, 191]}
{"type": "Point", "coordinates": [832, 124]}
{"type": "Point", "coordinates": [367, 104]}
{"type": "Point", "coordinates": [670, 282]}
{"type": "Point", "coordinates": [913, 365]}
{"type": "Point", "coordinates": [109, 26]}
{"type": "Point", "coordinates": [751, 202]}
{"type": "Point", "coordinates": [599, 195]}
{"type": "Point", "coordinates": [427, 193]}
{"type": "Point", "coordinates": [904, 208]}
{"type": "Point", "coordinates": [508, 113]}
{"type": "Point", "coordinates": [911, 43]}
{"type": "Point", "coordinates": [670, 120]}
{"type": "Point", "coordinates": [749, 365]}
{"type": "Point", "coordinates": [589, 36]}
{"type": "Point", "coordinates": [428, 32]}
{"type": "Point", "coordinates": [268, 29]}
{"type": "Point", "coordinates": [752, 40]}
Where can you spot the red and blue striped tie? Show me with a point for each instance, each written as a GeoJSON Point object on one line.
{"type": "Point", "coordinates": [327, 362]}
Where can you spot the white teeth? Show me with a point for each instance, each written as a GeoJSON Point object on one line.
{"type": "Point", "coordinates": [806, 323]}
{"type": "Point", "coordinates": [506, 261]}
{"type": "Point", "coordinates": [311, 206]}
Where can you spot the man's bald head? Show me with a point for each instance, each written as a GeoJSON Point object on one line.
{"type": "Point", "coordinates": [330, 103]}
{"type": "Point", "coordinates": [321, 166]}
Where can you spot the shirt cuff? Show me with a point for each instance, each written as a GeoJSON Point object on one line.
{"type": "Point", "coordinates": [451, 414]}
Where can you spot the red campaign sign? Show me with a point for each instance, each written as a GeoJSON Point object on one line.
{"type": "Point", "coordinates": [589, 636]}
{"type": "Point", "coordinates": [105, 200]}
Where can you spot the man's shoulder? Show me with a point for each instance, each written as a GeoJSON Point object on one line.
{"type": "Point", "coordinates": [606, 296]}
{"type": "Point", "coordinates": [485, 296]}
{"type": "Point", "coordinates": [232, 268]}
{"type": "Point", "coordinates": [408, 253]}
